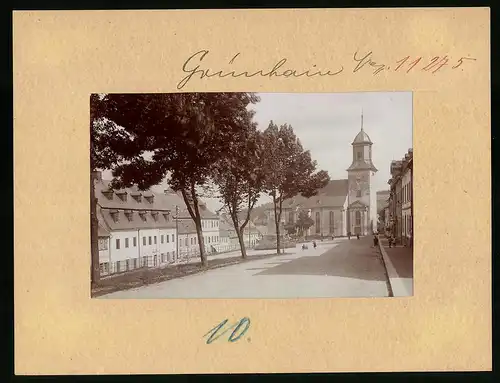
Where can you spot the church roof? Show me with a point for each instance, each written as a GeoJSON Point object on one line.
{"type": "Point", "coordinates": [362, 138]}
{"type": "Point", "coordinates": [334, 194]}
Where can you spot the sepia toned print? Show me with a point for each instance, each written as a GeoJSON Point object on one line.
{"type": "Point", "coordinates": [247, 195]}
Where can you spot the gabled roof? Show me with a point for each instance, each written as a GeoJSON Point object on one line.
{"type": "Point", "coordinates": [186, 227]}
{"type": "Point", "coordinates": [334, 194]}
{"type": "Point", "coordinates": [359, 204]}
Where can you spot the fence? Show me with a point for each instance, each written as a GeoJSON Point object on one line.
{"type": "Point", "coordinates": [159, 261]}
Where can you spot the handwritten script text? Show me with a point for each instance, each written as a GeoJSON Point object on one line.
{"type": "Point", "coordinates": [239, 329]}
{"type": "Point", "coordinates": [196, 67]}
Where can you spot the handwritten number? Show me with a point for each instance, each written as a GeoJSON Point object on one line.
{"type": "Point", "coordinates": [401, 62]}
{"type": "Point", "coordinates": [413, 63]}
{"type": "Point", "coordinates": [245, 321]}
{"type": "Point", "coordinates": [214, 332]}
{"type": "Point", "coordinates": [461, 61]}
{"type": "Point", "coordinates": [442, 63]}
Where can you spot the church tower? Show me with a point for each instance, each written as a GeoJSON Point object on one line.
{"type": "Point", "coordinates": [362, 197]}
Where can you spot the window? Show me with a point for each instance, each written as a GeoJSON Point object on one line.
{"type": "Point", "coordinates": [318, 227]}
{"type": "Point", "coordinates": [358, 193]}
{"type": "Point", "coordinates": [191, 240]}
{"type": "Point", "coordinates": [103, 244]}
{"type": "Point", "coordinates": [168, 238]}
{"type": "Point", "coordinates": [127, 265]}
{"type": "Point", "coordinates": [186, 242]}
{"type": "Point", "coordinates": [155, 239]}
{"type": "Point", "coordinates": [359, 155]}
{"type": "Point", "coordinates": [126, 242]}
{"type": "Point", "coordinates": [161, 238]}
{"type": "Point", "coordinates": [290, 217]}
{"type": "Point", "coordinates": [144, 241]}
{"type": "Point", "coordinates": [173, 238]}
{"type": "Point", "coordinates": [358, 218]}
{"type": "Point", "coordinates": [117, 244]}
{"type": "Point", "coordinates": [149, 240]}
{"type": "Point", "coordinates": [135, 241]}
{"type": "Point", "coordinates": [332, 221]}
{"type": "Point", "coordinates": [104, 268]}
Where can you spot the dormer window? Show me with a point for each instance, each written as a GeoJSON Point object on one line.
{"type": "Point", "coordinates": [137, 197]}
{"type": "Point", "coordinates": [122, 196]}
{"type": "Point", "coordinates": [142, 214]}
{"type": "Point", "coordinates": [108, 194]}
{"type": "Point", "coordinates": [114, 215]}
{"type": "Point", "coordinates": [128, 214]}
{"type": "Point", "coordinates": [166, 216]}
{"type": "Point", "coordinates": [155, 215]}
{"type": "Point", "coordinates": [149, 198]}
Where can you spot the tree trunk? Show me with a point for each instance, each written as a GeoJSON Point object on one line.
{"type": "Point", "coordinates": [196, 217]}
{"type": "Point", "coordinates": [94, 236]}
{"type": "Point", "coordinates": [201, 243]}
{"type": "Point", "coordinates": [277, 226]}
{"type": "Point", "coordinates": [239, 231]}
{"type": "Point", "coordinates": [242, 243]}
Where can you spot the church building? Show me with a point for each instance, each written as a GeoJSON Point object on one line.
{"type": "Point", "coordinates": [343, 206]}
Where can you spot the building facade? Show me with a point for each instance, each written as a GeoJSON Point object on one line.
{"type": "Point", "coordinates": [401, 200]}
{"type": "Point", "coordinates": [136, 229]}
{"type": "Point", "coordinates": [140, 228]}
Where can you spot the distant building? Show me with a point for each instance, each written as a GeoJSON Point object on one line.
{"type": "Point", "coordinates": [401, 199]}
{"type": "Point", "coordinates": [382, 204]}
{"type": "Point", "coordinates": [343, 206]}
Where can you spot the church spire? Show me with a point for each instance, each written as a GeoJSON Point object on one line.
{"type": "Point", "coordinates": [361, 119]}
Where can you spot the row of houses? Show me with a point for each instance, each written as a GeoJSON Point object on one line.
{"type": "Point", "coordinates": [147, 229]}
{"type": "Point", "coordinates": [399, 212]}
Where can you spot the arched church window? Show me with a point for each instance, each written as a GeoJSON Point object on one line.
{"type": "Point", "coordinates": [318, 226]}
{"type": "Point", "coordinates": [358, 218]}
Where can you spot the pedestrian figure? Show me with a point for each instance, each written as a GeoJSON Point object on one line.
{"type": "Point", "coordinates": [303, 246]}
{"type": "Point", "coordinates": [390, 241]}
{"type": "Point", "coordinates": [314, 244]}
{"type": "Point", "coordinates": [349, 236]}
{"type": "Point", "coordinates": [375, 240]}
{"type": "Point", "coordinates": [357, 236]}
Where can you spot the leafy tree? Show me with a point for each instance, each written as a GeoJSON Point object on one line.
{"type": "Point", "coordinates": [289, 170]}
{"type": "Point", "coordinates": [303, 222]}
{"type": "Point", "coordinates": [179, 135]}
{"type": "Point", "coordinates": [240, 178]}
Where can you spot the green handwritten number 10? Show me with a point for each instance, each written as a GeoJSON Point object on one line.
{"type": "Point", "coordinates": [239, 329]}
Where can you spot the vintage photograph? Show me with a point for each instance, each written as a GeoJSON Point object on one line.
{"type": "Point", "coordinates": [251, 195]}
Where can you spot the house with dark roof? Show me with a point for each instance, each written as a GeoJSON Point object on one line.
{"type": "Point", "coordinates": [135, 228]}
{"type": "Point", "coordinates": [343, 206]}
{"type": "Point", "coordinates": [139, 228]}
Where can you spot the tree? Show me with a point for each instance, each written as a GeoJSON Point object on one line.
{"type": "Point", "coordinates": [240, 177]}
{"type": "Point", "coordinates": [289, 170]}
{"type": "Point", "coordinates": [101, 157]}
{"type": "Point", "coordinates": [179, 135]}
{"type": "Point", "coordinates": [303, 222]}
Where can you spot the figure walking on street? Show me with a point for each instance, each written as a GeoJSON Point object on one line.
{"type": "Point", "coordinates": [314, 244]}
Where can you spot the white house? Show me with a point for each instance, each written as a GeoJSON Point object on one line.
{"type": "Point", "coordinates": [136, 229]}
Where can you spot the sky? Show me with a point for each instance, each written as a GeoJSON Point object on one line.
{"type": "Point", "coordinates": [326, 124]}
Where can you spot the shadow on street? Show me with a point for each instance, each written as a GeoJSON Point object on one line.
{"type": "Point", "coordinates": [350, 259]}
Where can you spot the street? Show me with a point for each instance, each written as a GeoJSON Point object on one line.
{"type": "Point", "coordinates": [340, 269]}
